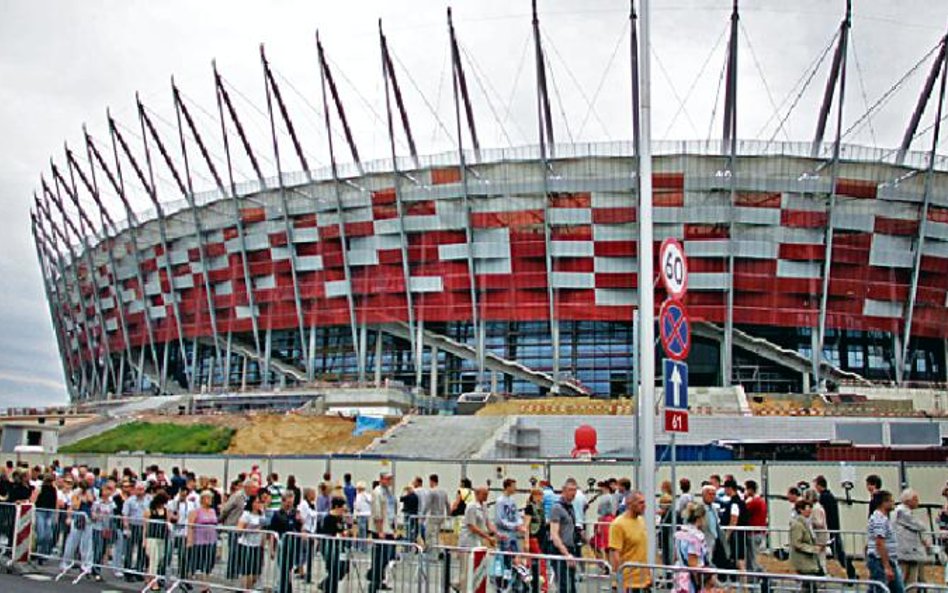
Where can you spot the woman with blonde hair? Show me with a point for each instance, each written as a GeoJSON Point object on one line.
{"type": "Point", "coordinates": [201, 539]}
{"type": "Point", "coordinates": [691, 551]}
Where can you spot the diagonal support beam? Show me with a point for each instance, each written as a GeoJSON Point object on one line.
{"type": "Point", "coordinates": [118, 184]}
{"type": "Point", "coordinates": [390, 84]}
{"type": "Point", "coordinates": [904, 359]}
{"type": "Point", "coordinates": [326, 72]}
{"type": "Point", "coordinates": [831, 206]}
{"type": "Point", "coordinates": [272, 91]}
{"type": "Point", "coordinates": [388, 69]}
{"type": "Point", "coordinates": [922, 102]}
{"type": "Point", "coordinates": [459, 89]}
{"type": "Point", "coordinates": [326, 83]}
{"type": "Point", "coordinates": [545, 134]}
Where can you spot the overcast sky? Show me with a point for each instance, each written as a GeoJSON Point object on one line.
{"type": "Point", "coordinates": [62, 63]}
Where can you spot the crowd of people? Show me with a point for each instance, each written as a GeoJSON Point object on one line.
{"type": "Point", "coordinates": [154, 525]}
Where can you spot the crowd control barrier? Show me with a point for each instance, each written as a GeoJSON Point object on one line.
{"type": "Point", "coordinates": [710, 579]}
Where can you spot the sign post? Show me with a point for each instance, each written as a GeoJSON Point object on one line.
{"type": "Point", "coordinates": [675, 331]}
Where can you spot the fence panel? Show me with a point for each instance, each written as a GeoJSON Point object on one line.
{"type": "Point", "coordinates": [324, 564]}
{"type": "Point", "coordinates": [582, 471]}
{"type": "Point", "coordinates": [449, 474]}
{"type": "Point", "coordinates": [853, 516]}
{"type": "Point", "coordinates": [494, 571]}
{"type": "Point", "coordinates": [119, 462]}
{"type": "Point", "coordinates": [365, 470]}
{"type": "Point", "coordinates": [928, 480]}
{"type": "Point", "coordinates": [308, 471]}
{"type": "Point", "coordinates": [107, 547]}
{"type": "Point", "coordinates": [709, 578]}
{"type": "Point", "coordinates": [206, 466]}
{"type": "Point", "coordinates": [482, 472]}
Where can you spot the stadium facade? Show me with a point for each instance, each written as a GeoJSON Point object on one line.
{"type": "Point", "coordinates": [511, 270]}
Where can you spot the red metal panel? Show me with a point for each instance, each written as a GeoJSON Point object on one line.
{"type": "Point", "coordinates": [804, 219]}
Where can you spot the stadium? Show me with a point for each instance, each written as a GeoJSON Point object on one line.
{"type": "Point", "coordinates": [813, 263]}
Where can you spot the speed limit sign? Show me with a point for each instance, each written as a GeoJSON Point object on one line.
{"type": "Point", "coordinates": [674, 268]}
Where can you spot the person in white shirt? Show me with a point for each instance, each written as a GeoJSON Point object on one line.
{"type": "Point", "coordinates": [180, 508]}
{"type": "Point", "coordinates": [309, 520]}
{"type": "Point", "coordinates": [362, 509]}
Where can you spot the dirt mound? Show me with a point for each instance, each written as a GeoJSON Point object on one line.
{"type": "Point", "coordinates": [281, 434]}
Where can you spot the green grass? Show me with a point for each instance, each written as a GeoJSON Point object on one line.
{"type": "Point", "coordinates": [156, 438]}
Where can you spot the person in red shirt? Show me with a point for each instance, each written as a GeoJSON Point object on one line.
{"type": "Point", "coordinates": [757, 511]}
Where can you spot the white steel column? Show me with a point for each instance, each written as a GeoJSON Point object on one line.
{"type": "Point", "coordinates": [645, 293]}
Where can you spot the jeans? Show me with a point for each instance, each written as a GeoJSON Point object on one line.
{"type": "Point", "coordinates": [362, 524]}
{"type": "Point", "coordinates": [877, 573]}
{"type": "Point", "coordinates": [78, 542]}
{"type": "Point", "coordinates": [509, 544]}
{"type": "Point", "coordinates": [100, 547]}
{"type": "Point", "coordinates": [412, 528]}
{"type": "Point", "coordinates": [118, 548]}
{"type": "Point", "coordinates": [45, 531]}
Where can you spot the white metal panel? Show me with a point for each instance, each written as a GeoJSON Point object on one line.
{"type": "Point", "coordinates": [244, 311]}
{"type": "Point", "coordinates": [874, 308]}
{"type": "Point", "coordinates": [891, 251]}
{"type": "Point", "coordinates": [572, 280]}
{"type": "Point", "coordinates": [426, 284]}
{"type": "Point", "coordinates": [571, 248]}
{"type": "Point", "coordinates": [707, 281]}
{"type": "Point", "coordinates": [263, 282]}
{"type": "Point", "coordinates": [616, 296]}
{"type": "Point", "coordinates": [627, 265]}
{"type": "Point", "coordinates": [337, 288]}
{"type": "Point", "coordinates": [628, 231]}
{"type": "Point", "coordinates": [799, 269]}
{"type": "Point", "coordinates": [306, 235]}
{"type": "Point", "coordinates": [309, 263]}
{"type": "Point", "coordinates": [181, 282]}
{"type": "Point", "coordinates": [492, 266]}
{"type": "Point", "coordinates": [568, 216]}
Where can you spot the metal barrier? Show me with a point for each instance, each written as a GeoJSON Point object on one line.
{"type": "Point", "coordinates": [483, 570]}
{"type": "Point", "coordinates": [155, 553]}
{"type": "Point", "coordinates": [431, 530]}
{"type": "Point", "coordinates": [685, 578]}
{"type": "Point", "coordinates": [322, 563]}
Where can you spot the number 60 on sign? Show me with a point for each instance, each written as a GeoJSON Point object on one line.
{"type": "Point", "coordinates": [673, 268]}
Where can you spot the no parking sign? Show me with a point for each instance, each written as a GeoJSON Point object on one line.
{"type": "Point", "coordinates": [675, 329]}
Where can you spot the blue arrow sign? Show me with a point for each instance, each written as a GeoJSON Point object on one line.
{"type": "Point", "coordinates": [676, 385]}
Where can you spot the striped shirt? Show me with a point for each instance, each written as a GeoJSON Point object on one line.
{"type": "Point", "coordinates": [879, 526]}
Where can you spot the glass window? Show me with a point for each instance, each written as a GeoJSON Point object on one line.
{"type": "Point", "coordinates": [854, 358]}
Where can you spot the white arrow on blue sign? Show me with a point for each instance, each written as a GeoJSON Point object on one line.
{"type": "Point", "coordinates": [676, 384]}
